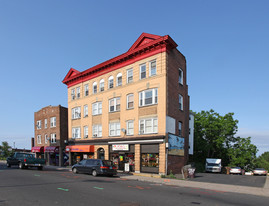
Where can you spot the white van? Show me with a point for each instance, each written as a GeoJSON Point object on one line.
{"type": "Point", "coordinates": [213, 165]}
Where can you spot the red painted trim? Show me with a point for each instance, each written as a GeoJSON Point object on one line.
{"type": "Point", "coordinates": [162, 44]}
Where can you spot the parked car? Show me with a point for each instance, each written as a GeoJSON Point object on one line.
{"type": "Point", "coordinates": [259, 171]}
{"type": "Point", "coordinates": [95, 167]}
{"type": "Point", "coordinates": [235, 170]}
{"type": "Point", "coordinates": [25, 160]}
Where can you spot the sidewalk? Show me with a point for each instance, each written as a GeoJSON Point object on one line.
{"type": "Point", "coordinates": [203, 185]}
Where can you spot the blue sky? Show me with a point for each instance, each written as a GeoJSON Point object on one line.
{"type": "Point", "coordinates": [225, 43]}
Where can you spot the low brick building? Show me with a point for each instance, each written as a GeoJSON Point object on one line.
{"type": "Point", "coordinates": [51, 134]}
{"type": "Point", "coordinates": [132, 109]}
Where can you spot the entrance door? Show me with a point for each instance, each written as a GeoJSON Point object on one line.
{"type": "Point", "coordinates": [101, 154]}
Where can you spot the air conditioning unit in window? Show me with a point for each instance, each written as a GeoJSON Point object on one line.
{"type": "Point", "coordinates": [95, 135]}
{"type": "Point", "coordinates": [141, 132]}
{"type": "Point", "coordinates": [86, 136]}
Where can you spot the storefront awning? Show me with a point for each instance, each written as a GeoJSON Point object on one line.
{"type": "Point", "coordinates": [51, 149]}
{"type": "Point", "coordinates": [80, 148]}
{"type": "Point", "coordinates": [37, 149]}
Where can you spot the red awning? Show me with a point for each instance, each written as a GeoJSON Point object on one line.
{"type": "Point", "coordinates": [38, 149]}
{"type": "Point", "coordinates": [51, 149]}
{"type": "Point", "coordinates": [80, 148]}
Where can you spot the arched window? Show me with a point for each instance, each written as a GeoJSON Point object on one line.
{"type": "Point", "coordinates": [102, 85]}
{"type": "Point", "coordinates": [119, 79]}
{"type": "Point", "coordinates": [110, 82]}
{"type": "Point", "coordinates": [94, 87]}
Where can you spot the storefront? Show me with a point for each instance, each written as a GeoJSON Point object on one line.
{"type": "Point", "coordinates": [149, 158]}
{"type": "Point", "coordinates": [79, 152]}
{"type": "Point", "coordinates": [122, 156]}
{"type": "Point", "coordinates": [39, 151]}
{"type": "Point", "coordinates": [52, 155]}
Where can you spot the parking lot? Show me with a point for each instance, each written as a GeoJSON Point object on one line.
{"type": "Point", "coordinates": [242, 180]}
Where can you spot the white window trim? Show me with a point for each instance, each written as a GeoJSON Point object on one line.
{"type": "Point", "coordinates": [150, 68]}
{"type": "Point", "coordinates": [140, 67]}
{"type": "Point", "coordinates": [86, 131]}
{"type": "Point", "coordinates": [119, 75]}
{"type": "Point", "coordinates": [53, 138]}
{"type": "Point", "coordinates": [142, 96]}
{"type": "Point", "coordinates": [180, 81]}
{"type": "Point", "coordinates": [180, 101]}
{"type": "Point", "coordinates": [128, 129]}
{"type": "Point", "coordinates": [127, 76]}
{"type": "Point", "coordinates": [78, 92]}
{"type": "Point", "coordinates": [143, 130]}
{"type": "Point", "coordinates": [110, 78]}
{"type": "Point", "coordinates": [127, 101]}
{"type": "Point", "coordinates": [179, 129]}
{"type": "Point", "coordinates": [73, 94]}
{"type": "Point", "coordinates": [102, 81]}
{"type": "Point", "coordinates": [117, 131]}
{"type": "Point", "coordinates": [74, 129]}
{"type": "Point", "coordinates": [53, 122]}
{"type": "Point", "coordinates": [46, 138]}
{"type": "Point", "coordinates": [99, 108]}
{"type": "Point", "coordinates": [46, 123]}
{"type": "Point", "coordinates": [38, 140]}
{"type": "Point", "coordinates": [94, 91]}
{"type": "Point", "coordinates": [86, 90]}
{"type": "Point", "coordinates": [76, 113]}
{"type": "Point", "coordinates": [99, 130]}
{"type": "Point", "coordinates": [86, 110]}
{"type": "Point", "coordinates": [38, 124]}
{"type": "Point", "coordinates": [115, 104]}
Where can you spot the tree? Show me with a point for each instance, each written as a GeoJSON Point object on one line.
{"type": "Point", "coordinates": [242, 153]}
{"type": "Point", "coordinates": [5, 149]}
{"type": "Point", "coordinates": [213, 135]}
{"type": "Point", "coordinates": [263, 161]}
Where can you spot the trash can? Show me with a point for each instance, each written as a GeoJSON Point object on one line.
{"type": "Point", "coordinates": [191, 172]}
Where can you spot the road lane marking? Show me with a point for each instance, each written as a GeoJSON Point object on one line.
{"type": "Point", "coordinates": [66, 190]}
{"type": "Point", "coordinates": [99, 188]}
{"type": "Point", "coordinates": [37, 175]}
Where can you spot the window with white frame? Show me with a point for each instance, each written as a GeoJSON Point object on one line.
{"type": "Point", "coordinates": [39, 139]}
{"type": "Point", "coordinates": [110, 82]}
{"type": "Point", "coordinates": [85, 128]}
{"type": "Point", "coordinates": [114, 104]}
{"type": "Point", "coordinates": [180, 76]}
{"type": "Point", "coordinates": [38, 124]}
{"type": "Point", "coordinates": [97, 130]}
{"type": "Point", "coordinates": [129, 75]}
{"type": "Point", "coordinates": [180, 129]}
{"type": "Point", "coordinates": [53, 138]}
{"type": "Point", "coordinates": [130, 127]}
{"type": "Point", "coordinates": [76, 133]}
{"type": "Point", "coordinates": [119, 79]}
{"type": "Point", "coordinates": [46, 123]}
{"type": "Point", "coordinates": [78, 92]}
{"type": "Point", "coordinates": [180, 100]}
{"type": "Point", "coordinates": [102, 85]}
{"type": "Point", "coordinates": [76, 113]}
{"type": "Point", "coordinates": [86, 90]}
{"type": "Point", "coordinates": [152, 68]}
{"type": "Point", "coordinates": [130, 101]}
{"type": "Point", "coordinates": [97, 108]}
{"type": "Point", "coordinates": [46, 139]}
{"type": "Point", "coordinates": [73, 94]}
{"type": "Point", "coordinates": [143, 71]}
{"type": "Point", "coordinates": [53, 122]}
{"type": "Point", "coordinates": [148, 126]}
{"type": "Point", "coordinates": [114, 129]}
{"type": "Point", "coordinates": [94, 87]}
{"type": "Point", "coordinates": [148, 97]}
{"type": "Point", "coordinates": [85, 110]}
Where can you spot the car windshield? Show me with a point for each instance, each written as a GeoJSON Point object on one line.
{"type": "Point", "coordinates": [212, 164]}
{"type": "Point", "coordinates": [107, 163]}
{"type": "Point", "coordinates": [259, 169]}
{"type": "Point", "coordinates": [22, 155]}
{"type": "Point", "coordinates": [235, 168]}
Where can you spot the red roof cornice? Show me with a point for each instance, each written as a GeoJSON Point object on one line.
{"type": "Point", "coordinates": [146, 45]}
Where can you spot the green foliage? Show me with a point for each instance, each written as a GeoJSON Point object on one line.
{"type": "Point", "coordinates": [5, 150]}
{"type": "Point", "coordinates": [263, 161]}
{"type": "Point", "coordinates": [171, 175]}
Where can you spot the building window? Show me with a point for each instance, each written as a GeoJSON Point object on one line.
{"type": "Point", "coordinates": [76, 113]}
{"type": "Point", "coordinates": [97, 130]}
{"type": "Point", "coordinates": [46, 139]}
{"type": "Point", "coordinates": [180, 76]}
{"type": "Point", "coordinates": [102, 85]}
{"type": "Point", "coordinates": [46, 123]}
{"type": "Point", "coordinates": [110, 82]}
{"type": "Point", "coordinates": [179, 129]}
{"type": "Point", "coordinates": [86, 110]}
{"type": "Point", "coordinates": [149, 160]}
{"type": "Point", "coordinates": [114, 129]}
{"type": "Point", "coordinates": [86, 90]}
{"type": "Point", "coordinates": [38, 124]}
{"type": "Point", "coordinates": [130, 101]}
{"type": "Point", "coordinates": [78, 92]}
{"type": "Point", "coordinates": [76, 133]}
{"type": "Point", "coordinates": [148, 126]}
{"type": "Point", "coordinates": [97, 108]}
{"type": "Point", "coordinates": [53, 138]}
{"type": "Point", "coordinates": [119, 79]}
{"type": "Point", "coordinates": [53, 122]}
{"type": "Point", "coordinates": [130, 127]}
{"type": "Point", "coordinates": [129, 76]}
{"type": "Point", "coordinates": [180, 100]}
{"type": "Point", "coordinates": [114, 104]}
{"type": "Point", "coordinates": [152, 68]}
{"type": "Point", "coordinates": [148, 97]}
{"type": "Point", "coordinates": [143, 71]}
{"type": "Point", "coordinates": [85, 128]}
{"type": "Point", "coordinates": [39, 139]}
{"type": "Point", "coordinates": [94, 88]}
{"type": "Point", "coordinates": [73, 94]}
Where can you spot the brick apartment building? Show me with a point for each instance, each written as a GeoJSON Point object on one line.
{"type": "Point", "coordinates": [132, 109]}
{"type": "Point", "coordinates": [51, 134]}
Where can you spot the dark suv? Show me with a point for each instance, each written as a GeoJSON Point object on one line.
{"type": "Point", "coordinates": [95, 167]}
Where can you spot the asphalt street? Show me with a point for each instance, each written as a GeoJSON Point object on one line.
{"type": "Point", "coordinates": [48, 187]}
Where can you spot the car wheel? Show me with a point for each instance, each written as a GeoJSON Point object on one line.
{"type": "Point", "coordinates": [21, 166]}
{"type": "Point", "coordinates": [8, 165]}
{"type": "Point", "coordinates": [75, 171]}
{"type": "Point", "coordinates": [94, 173]}
{"type": "Point", "coordinates": [40, 168]}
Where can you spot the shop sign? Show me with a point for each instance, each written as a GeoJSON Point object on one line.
{"type": "Point", "coordinates": [121, 147]}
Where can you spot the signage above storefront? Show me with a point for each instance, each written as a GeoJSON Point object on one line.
{"type": "Point", "coordinates": [120, 147]}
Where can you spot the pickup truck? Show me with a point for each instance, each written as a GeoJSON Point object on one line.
{"type": "Point", "coordinates": [25, 160]}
